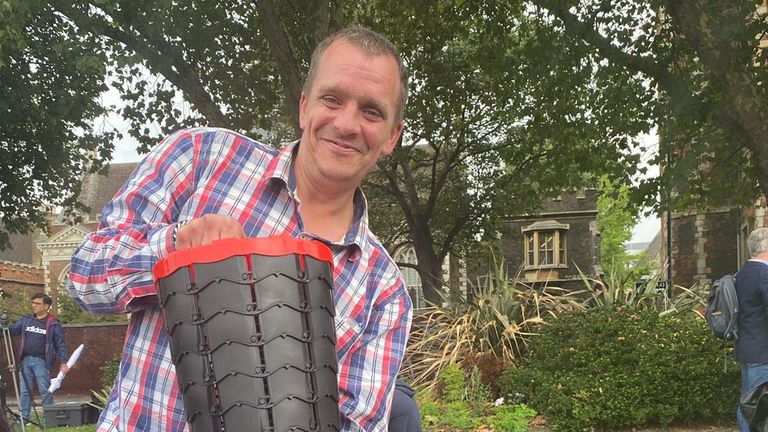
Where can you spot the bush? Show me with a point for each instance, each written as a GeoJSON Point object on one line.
{"type": "Point", "coordinates": [465, 416]}
{"type": "Point", "coordinates": [611, 368]}
{"type": "Point", "coordinates": [452, 381]}
{"type": "Point", "coordinates": [511, 418]}
{"type": "Point", "coordinates": [463, 406]}
{"type": "Point", "coordinates": [109, 370]}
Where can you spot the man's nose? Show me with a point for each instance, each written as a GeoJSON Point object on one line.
{"type": "Point", "coordinates": [347, 121]}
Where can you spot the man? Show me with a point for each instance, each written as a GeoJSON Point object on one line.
{"type": "Point", "coordinates": [405, 413]}
{"type": "Point", "coordinates": [42, 340]}
{"type": "Point", "coordinates": [202, 184]}
{"type": "Point", "coordinates": [751, 348]}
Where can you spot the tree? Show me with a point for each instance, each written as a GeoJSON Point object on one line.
{"type": "Point", "coordinates": [615, 220]}
{"type": "Point", "coordinates": [705, 60]}
{"type": "Point", "coordinates": [503, 110]}
{"type": "Point", "coordinates": [502, 114]}
{"type": "Point", "coordinates": [50, 77]}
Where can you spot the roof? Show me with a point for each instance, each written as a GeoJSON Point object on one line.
{"type": "Point", "coordinates": [97, 189]}
{"type": "Point", "coordinates": [22, 249]}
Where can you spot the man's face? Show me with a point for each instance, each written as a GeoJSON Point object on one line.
{"type": "Point", "coordinates": [38, 306]}
{"type": "Point", "coordinates": [349, 117]}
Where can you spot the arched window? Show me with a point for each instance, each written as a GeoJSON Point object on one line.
{"type": "Point", "coordinates": [411, 276]}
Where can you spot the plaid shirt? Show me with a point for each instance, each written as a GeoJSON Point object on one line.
{"type": "Point", "coordinates": [214, 171]}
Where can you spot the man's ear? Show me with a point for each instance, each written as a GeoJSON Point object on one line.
{"type": "Point", "coordinates": [394, 135]}
{"type": "Point", "coordinates": [302, 109]}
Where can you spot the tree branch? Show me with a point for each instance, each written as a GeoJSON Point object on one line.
{"type": "Point", "coordinates": [284, 55]}
{"type": "Point", "coordinates": [157, 54]}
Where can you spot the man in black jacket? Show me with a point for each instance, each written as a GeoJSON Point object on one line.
{"type": "Point", "coordinates": [42, 341]}
{"type": "Point", "coordinates": [751, 348]}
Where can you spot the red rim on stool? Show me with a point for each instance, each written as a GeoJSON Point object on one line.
{"type": "Point", "coordinates": [252, 334]}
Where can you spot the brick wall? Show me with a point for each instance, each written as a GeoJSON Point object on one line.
{"type": "Point", "coordinates": [704, 247]}
{"type": "Point", "coordinates": [102, 342]}
{"type": "Point", "coordinates": [18, 282]}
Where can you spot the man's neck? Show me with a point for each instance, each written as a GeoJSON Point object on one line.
{"type": "Point", "coordinates": [45, 314]}
{"type": "Point", "coordinates": [325, 214]}
{"type": "Point", "coordinates": [761, 256]}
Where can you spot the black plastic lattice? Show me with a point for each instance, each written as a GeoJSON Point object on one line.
{"type": "Point", "coordinates": [253, 341]}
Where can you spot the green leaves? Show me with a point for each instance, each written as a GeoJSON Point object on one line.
{"type": "Point", "coordinates": [50, 83]}
{"type": "Point", "coordinates": [615, 368]}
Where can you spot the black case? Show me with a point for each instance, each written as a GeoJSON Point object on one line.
{"type": "Point", "coordinates": [252, 334]}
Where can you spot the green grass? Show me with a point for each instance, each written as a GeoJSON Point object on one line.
{"type": "Point", "coordinates": [33, 428]}
{"type": "Point", "coordinates": [86, 428]}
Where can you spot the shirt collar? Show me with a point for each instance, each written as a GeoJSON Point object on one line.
{"type": "Point", "coordinates": [281, 168]}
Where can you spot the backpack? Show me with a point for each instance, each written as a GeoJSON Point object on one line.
{"type": "Point", "coordinates": [723, 308]}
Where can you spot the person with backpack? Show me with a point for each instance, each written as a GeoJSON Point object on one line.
{"type": "Point", "coordinates": [42, 341]}
{"type": "Point", "coordinates": [751, 346]}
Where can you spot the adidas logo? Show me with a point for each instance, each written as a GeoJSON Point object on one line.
{"type": "Point", "coordinates": [34, 329]}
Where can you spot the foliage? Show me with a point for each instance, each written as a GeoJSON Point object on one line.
{"type": "Point", "coordinates": [511, 418]}
{"type": "Point", "coordinates": [450, 415]}
{"type": "Point", "coordinates": [463, 416]}
{"type": "Point", "coordinates": [486, 124]}
{"type": "Point", "coordinates": [109, 371]}
{"type": "Point", "coordinates": [496, 325]}
{"type": "Point", "coordinates": [84, 428]}
{"type": "Point", "coordinates": [69, 312]}
{"type": "Point", "coordinates": [621, 287]}
{"type": "Point", "coordinates": [615, 219]}
{"type": "Point", "coordinates": [621, 367]}
{"type": "Point", "coordinates": [497, 99]}
{"type": "Point", "coordinates": [452, 380]}
{"type": "Point", "coordinates": [704, 62]}
{"type": "Point", "coordinates": [461, 407]}
{"type": "Point", "coordinates": [100, 397]}
{"type": "Point", "coordinates": [51, 75]}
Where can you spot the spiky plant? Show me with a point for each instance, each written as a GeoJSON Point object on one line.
{"type": "Point", "coordinates": [617, 289]}
{"type": "Point", "coordinates": [495, 325]}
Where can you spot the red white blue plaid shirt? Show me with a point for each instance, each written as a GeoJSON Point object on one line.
{"type": "Point", "coordinates": [214, 171]}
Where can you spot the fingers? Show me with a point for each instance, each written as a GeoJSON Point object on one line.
{"type": "Point", "coordinates": [207, 229]}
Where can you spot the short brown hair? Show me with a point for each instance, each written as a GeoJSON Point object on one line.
{"type": "Point", "coordinates": [372, 44]}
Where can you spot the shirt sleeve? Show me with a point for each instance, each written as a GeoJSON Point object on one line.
{"type": "Point", "coordinates": [111, 269]}
{"type": "Point", "coordinates": [15, 328]}
{"type": "Point", "coordinates": [369, 383]}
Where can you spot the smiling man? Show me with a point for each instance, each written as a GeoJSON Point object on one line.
{"type": "Point", "coordinates": [203, 184]}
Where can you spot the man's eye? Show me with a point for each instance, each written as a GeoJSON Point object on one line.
{"type": "Point", "coordinates": [330, 100]}
{"type": "Point", "coordinates": [372, 113]}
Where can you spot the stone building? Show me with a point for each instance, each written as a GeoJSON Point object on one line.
{"type": "Point", "coordinates": [550, 247]}
{"type": "Point", "coordinates": [708, 245]}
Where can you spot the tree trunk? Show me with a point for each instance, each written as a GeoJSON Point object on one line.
{"type": "Point", "coordinates": [430, 265]}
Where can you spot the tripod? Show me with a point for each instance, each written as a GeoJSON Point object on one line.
{"type": "Point", "coordinates": [14, 419]}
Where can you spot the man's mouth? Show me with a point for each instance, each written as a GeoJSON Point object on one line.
{"type": "Point", "coordinates": [342, 145]}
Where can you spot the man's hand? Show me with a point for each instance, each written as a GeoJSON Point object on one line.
{"type": "Point", "coordinates": [206, 229]}
{"type": "Point", "coordinates": [64, 369]}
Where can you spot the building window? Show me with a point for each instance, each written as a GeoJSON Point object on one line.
{"type": "Point", "coordinates": [546, 244]}
{"type": "Point", "coordinates": [411, 277]}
